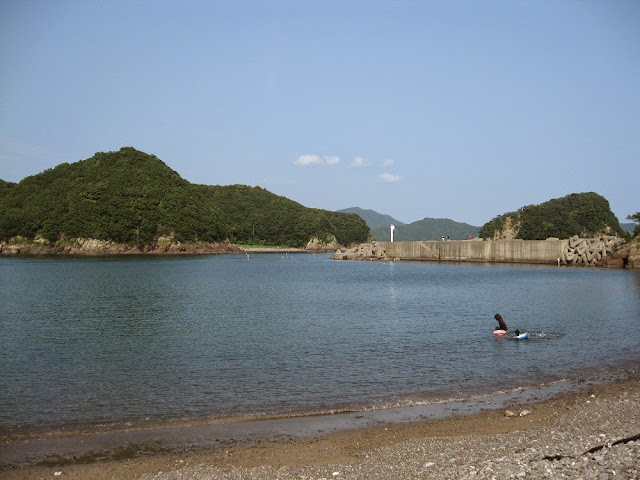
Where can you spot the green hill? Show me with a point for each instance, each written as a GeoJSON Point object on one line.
{"type": "Point", "coordinates": [132, 197]}
{"type": "Point", "coordinates": [582, 214]}
{"type": "Point", "coordinates": [433, 229]}
{"type": "Point", "coordinates": [425, 229]}
{"type": "Point", "coordinates": [256, 216]}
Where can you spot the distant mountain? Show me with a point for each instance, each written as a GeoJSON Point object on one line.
{"type": "Point", "coordinates": [372, 218]}
{"type": "Point", "coordinates": [628, 227]}
{"type": "Point", "coordinates": [431, 229]}
{"type": "Point", "coordinates": [425, 229]}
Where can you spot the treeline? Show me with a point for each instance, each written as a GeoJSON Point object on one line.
{"type": "Point", "coordinates": [132, 197]}
{"type": "Point", "coordinates": [582, 214]}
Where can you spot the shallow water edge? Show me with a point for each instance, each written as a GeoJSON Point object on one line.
{"type": "Point", "coordinates": [80, 447]}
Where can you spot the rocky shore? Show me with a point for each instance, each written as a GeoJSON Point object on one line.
{"type": "Point", "coordinates": [92, 246]}
{"type": "Point", "coordinates": [588, 435]}
{"type": "Point", "coordinates": [365, 251]}
{"type": "Point", "coordinates": [163, 245]}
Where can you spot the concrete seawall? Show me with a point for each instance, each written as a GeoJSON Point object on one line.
{"type": "Point", "coordinates": [507, 251]}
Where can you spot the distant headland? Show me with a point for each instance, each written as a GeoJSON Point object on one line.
{"type": "Point", "coordinates": [131, 202]}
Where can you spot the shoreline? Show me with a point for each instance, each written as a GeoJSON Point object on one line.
{"type": "Point", "coordinates": [280, 250]}
{"type": "Point", "coordinates": [37, 250]}
{"type": "Point", "coordinates": [351, 447]}
{"type": "Point", "coordinates": [163, 246]}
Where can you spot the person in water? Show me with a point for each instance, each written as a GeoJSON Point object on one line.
{"type": "Point", "coordinates": [501, 324]}
{"type": "Point", "coordinates": [521, 335]}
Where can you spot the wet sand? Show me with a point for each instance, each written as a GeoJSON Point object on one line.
{"type": "Point", "coordinates": [608, 409]}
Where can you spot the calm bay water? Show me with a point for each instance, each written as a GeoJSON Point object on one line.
{"type": "Point", "coordinates": [121, 339]}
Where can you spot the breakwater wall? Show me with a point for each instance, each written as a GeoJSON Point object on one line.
{"type": "Point", "coordinates": [573, 251]}
{"type": "Point", "coordinates": [507, 251]}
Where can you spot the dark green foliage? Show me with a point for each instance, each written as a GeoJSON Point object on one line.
{"type": "Point", "coordinates": [126, 196]}
{"type": "Point", "coordinates": [256, 216]}
{"type": "Point", "coordinates": [131, 197]}
{"type": "Point", "coordinates": [582, 214]}
{"type": "Point", "coordinates": [495, 225]}
{"type": "Point", "coordinates": [5, 186]}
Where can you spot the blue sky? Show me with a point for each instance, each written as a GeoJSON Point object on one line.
{"type": "Point", "coordinates": [464, 110]}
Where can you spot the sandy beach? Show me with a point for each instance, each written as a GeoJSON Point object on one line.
{"type": "Point", "coordinates": [590, 434]}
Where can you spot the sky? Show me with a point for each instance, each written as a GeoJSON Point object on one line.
{"type": "Point", "coordinates": [447, 109]}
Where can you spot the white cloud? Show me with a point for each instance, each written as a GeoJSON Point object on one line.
{"type": "Point", "coordinates": [388, 163]}
{"type": "Point", "coordinates": [389, 178]}
{"type": "Point", "coordinates": [360, 162]}
{"type": "Point", "coordinates": [306, 160]}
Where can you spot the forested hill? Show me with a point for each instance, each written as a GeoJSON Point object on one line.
{"type": "Point", "coordinates": [253, 214]}
{"type": "Point", "coordinates": [582, 214]}
{"type": "Point", "coordinates": [132, 197]}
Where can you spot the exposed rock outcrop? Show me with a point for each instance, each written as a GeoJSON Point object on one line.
{"type": "Point", "coordinates": [317, 245]}
{"type": "Point", "coordinates": [633, 260]}
{"type": "Point", "coordinates": [92, 246]}
{"type": "Point", "coordinates": [365, 251]}
{"type": "Point", "coordinates": [509, 231]}
{"type": "Point", "coordinates": [627, 256]}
